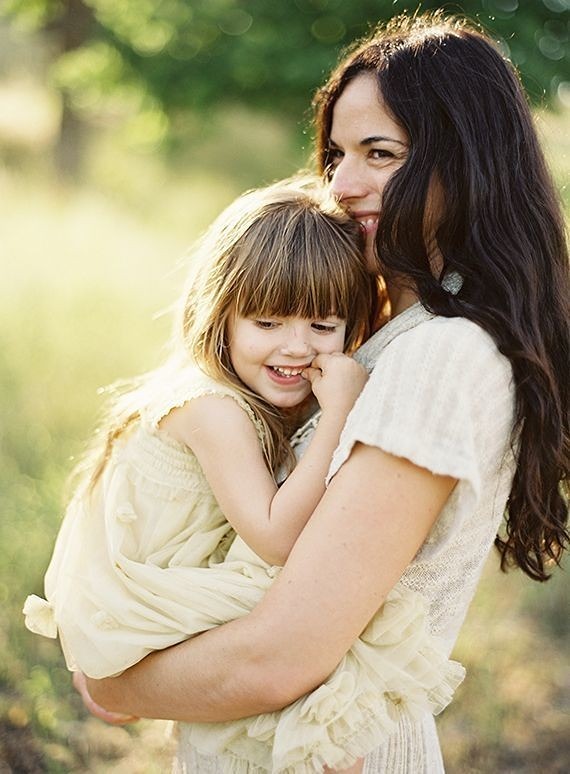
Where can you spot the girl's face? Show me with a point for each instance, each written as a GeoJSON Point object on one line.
{"type": "Point", "coordinates": [366, 147]}
{"type": "Point", "coordinates": [270, 353]}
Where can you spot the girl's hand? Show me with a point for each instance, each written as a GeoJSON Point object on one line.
{"type": "Point", "coordinates": [336, 380]}
{"type": "Point", "coordinates": [115, 718]}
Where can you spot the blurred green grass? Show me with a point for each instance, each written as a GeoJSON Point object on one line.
{"type": "Point", "coordinates": [87, 276]}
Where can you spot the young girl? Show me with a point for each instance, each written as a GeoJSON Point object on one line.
{"type": "Point", "coordinates": [191, 457]}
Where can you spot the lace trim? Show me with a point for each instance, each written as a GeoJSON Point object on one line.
{"type": "Point", "coordinates": [190, 383]}
{"type": "Point", "coordinates": [301, 435]}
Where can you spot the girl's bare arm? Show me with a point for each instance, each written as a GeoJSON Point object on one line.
{"type": "Point", "coordinates": [226, 444]}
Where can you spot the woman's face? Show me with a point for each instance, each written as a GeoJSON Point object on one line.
{"type": "Point", "coordinates": [366, 147]}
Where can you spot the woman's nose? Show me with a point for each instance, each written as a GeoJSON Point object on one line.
{"type": "Point", "coordinates": [347, 180]}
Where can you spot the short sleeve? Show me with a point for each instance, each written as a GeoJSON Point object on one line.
{"type": "Point", "coordinates": [440, 395]}
{"type": "Point", "coordinates": [173, 388]}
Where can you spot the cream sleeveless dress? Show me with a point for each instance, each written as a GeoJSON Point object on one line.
{"type": "Point", "coordinates": [143, 563]}
{"type": "Point", "coordinates": [441, 395]}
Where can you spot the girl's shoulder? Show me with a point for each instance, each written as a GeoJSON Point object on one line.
{"type": "Point", "coordinates": [176, 387]}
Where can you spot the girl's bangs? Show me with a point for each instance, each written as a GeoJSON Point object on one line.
{"type": "Point", "coordinates": [305, 264]}
{"type": "Point", "coordinates": [298, 284]}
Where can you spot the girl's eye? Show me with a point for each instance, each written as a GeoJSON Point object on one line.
{"type": "Point", "coordinates": [323, 327]}
{"type": "Point", "coordinates": [265, 325]}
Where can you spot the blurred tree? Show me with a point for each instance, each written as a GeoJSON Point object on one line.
{"type": "Point", "coordinates": [164, 57]}
{"type": "Point", "coordinates": [72, 27]}
{"type": "Point", "coordinates": [69, 25]}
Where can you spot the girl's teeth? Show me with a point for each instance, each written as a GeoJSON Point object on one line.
{"type": "Point", "coordinates": [287, 371]}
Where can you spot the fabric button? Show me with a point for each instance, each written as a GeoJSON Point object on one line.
{"type": "Point", "coordinates": [104, 620]}
{"type": "Point", "coordinates": [126, 514]}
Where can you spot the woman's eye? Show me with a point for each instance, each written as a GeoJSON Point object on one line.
{"type": "Point", "coordinates": [380, 153]}
{"type": "Point", "coordinates": [334, 156]}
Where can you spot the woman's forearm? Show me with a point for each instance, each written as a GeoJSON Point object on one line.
{"type": "Point", "coordinates": [220, 675]}
{"type": "Point", "coordinates": [374, 517]}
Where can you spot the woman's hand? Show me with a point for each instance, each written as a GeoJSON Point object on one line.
{"type": "Point", "coordinates": [115, 718]}
{"type": "Point", "coordinates": [337, 381]}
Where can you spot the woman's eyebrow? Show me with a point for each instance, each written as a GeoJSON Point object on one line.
{"type": "Point", "coordinates": [381, 138]}
{"type": "Point", "coordinates": [371, 140]}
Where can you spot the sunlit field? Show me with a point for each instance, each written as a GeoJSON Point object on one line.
{"type": "Point", "coordinates": [89, 273]}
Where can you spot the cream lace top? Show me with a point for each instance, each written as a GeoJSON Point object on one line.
{"type": "Point", "coordinates": [442, 395]}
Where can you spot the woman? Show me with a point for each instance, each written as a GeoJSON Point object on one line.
{"type": "Point", "coordinates": [427, 140]}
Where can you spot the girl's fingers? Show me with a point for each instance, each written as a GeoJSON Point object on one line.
{"type": "Point", "coordinates": [320, 361]}
{"type": "Point", "coordinates": [114, 718]}
{"type": "Point", "coordinates": [311, 373]}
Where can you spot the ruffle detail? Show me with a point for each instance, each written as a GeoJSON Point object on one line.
{"type": "Point", "coordinates": [39, 616]}
{"type": "Point", "coordinates": [395, 666]}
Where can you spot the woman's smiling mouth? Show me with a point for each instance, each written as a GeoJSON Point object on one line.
{"type": "Point", "coordinates": [367, 219]}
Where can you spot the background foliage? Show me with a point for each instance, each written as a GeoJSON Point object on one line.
{"type": "Point", "coordinates": [163, 112]}
{"type": "Point", "coordinates": [164, 58]}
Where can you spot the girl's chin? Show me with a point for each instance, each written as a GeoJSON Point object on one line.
{"type": "Point", "coordinates": [294, 403]}
{"type": "Point", "coordinates": [291, 405]}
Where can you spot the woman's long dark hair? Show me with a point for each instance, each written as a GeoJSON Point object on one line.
{"type": "Point", "coordinates": [501, 229]}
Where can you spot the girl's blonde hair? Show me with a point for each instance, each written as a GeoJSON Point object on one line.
{"type": "Point", "coordinates": [285, 250]}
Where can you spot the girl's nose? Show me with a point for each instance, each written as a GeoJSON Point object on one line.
{"type": "Point", "coordinates": [296, 343]}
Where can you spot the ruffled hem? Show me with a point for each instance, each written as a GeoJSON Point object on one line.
{"type": "Point", "coordinates": [39, 616]}
{"type": "Point", "coordinates": [395, 666]}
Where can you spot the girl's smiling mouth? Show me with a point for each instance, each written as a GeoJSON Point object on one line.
{"type": "Point", "coordinates": [286, 374]}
